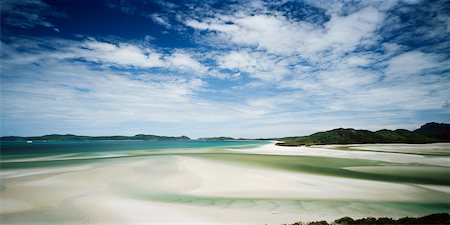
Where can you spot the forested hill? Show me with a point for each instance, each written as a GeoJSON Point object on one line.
{"type": "Point", "coordinates": [428, 133]}
{"type": "Point", "coordinates": [438, 131]}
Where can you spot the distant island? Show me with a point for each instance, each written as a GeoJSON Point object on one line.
{"type": "Point", "coordinates": [138, 137]}
{"type": "Point", "coordinates": [217, 139]}
{"type": "Point", "coordinates": [428, 133]}
{"type": "Point", "coordinates": [71, 137]}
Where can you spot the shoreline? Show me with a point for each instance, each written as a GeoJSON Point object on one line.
{"type": "Point", "coordinates": [335, 152]}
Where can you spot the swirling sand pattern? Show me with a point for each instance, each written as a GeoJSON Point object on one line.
{"type": "Point", "coordinates": [262, 185]}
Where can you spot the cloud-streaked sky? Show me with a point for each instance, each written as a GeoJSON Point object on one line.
{"type": "Point", "coordinates": [217, 68]}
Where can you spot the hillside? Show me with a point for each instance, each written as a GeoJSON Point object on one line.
{"type": "Point", "coordinates": [428, 133]}
{"type": "Point", "coordinates": [71, 137]}
{"type": "Point", "coordinates": [439, 131]}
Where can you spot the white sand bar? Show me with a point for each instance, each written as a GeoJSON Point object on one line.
{"type": "Point", "coordinates": [335, 152]}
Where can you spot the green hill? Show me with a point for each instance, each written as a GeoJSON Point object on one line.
{"type": "Point", "coordinates": [428, 133]}
{"type": "Point", "coordinates": [439, 131]}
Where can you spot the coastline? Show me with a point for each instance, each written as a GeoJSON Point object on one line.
{"type": "Point", "coordinates": [213, 188]}
{"type": "Point", "coordinates": [337, 152]}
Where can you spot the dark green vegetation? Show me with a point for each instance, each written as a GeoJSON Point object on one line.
{"type": "Point", "coordinates": [216, 139]}
{"type": "Point", "coordinates": [438, 218]}
{"type": "Point", "coordinates": [428, 133]}
{"type": "Point", "coordinates": [438, 131]}
{"type": "Point", "coordinates": [71, 137]}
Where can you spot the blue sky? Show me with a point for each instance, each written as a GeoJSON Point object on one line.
{"type": "Point", "coordinates": [217, 68]}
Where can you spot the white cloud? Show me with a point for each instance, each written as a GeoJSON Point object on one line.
{"type": "Point", "coordinates": [344, 33]}
{"type": "Point", "coordinates": [258, 64]}
{"type": "Point", "coordinates": [278, 35]}
{"type": "Point", "coordinates": [125, 54]}
{"type": "Point", "coordinates": [320, 60]}
{"type": "Point", "coordinates": [274, 48]}
{"type": "Point", "coordinates": [161, 20]}
{"type": "Point", "coordinates": [120, 54]}
{"type": "Point", "coordinates": [408, 96]}
{"type": "Point", "coordinates": [113, 54]}
{"type": "Point", "coordinates": [75, 94]}
{"type": "Point", "coordinates": [49, 88]}
{"type": "Point", "coordinates": [301, 72]}
{"type": "Point", "coordinates": [414, 63]}
{"type": "Point", "coordinates": [349, 80]}
{"type": "Point", "coordinates": [265, 32]}
{"type": "Point", "coordinates": [184, 61]}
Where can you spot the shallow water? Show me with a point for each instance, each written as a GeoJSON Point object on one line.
{"type": "Point", "coordinates": [350, 168]}
{"type": "Point", "coordinates": [40, 148]}
{"type": "Point", "coordinates": [66, 185]}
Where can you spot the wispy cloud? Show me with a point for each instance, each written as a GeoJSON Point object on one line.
{"type": "Point", "coordinates": [121, 54]}
{"type": "Point", "coordinates": [106, 54]}
{"type": "Point", "coordinates": [416, 63]}
{"type": "Point", "coordinates": [159, 19]}
{"type": "Point", "coordinates": [341, 63]}
{"type": "Point", "coordinates": [257, 64]}
{"type": "Point", "coordinates": [26, 14]}
{"type": "Point", "coordinates": [276, 34]}
{"type": "Point", "coordinates": [54, 87]}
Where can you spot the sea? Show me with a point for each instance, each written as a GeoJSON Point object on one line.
{"type": "Point", "coordinates": [46, 148]}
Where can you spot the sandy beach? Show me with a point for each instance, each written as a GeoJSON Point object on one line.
{"type": "Point", "coordinates": [208, 188]}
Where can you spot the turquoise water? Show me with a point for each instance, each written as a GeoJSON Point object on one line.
{"type": "Point", "coordinates": [23, 149]}
{"type": "Point", "coordinates": [194, 173]}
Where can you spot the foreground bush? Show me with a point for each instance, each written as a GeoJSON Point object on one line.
{"type": "Point", "coordinates": [439, 218]}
